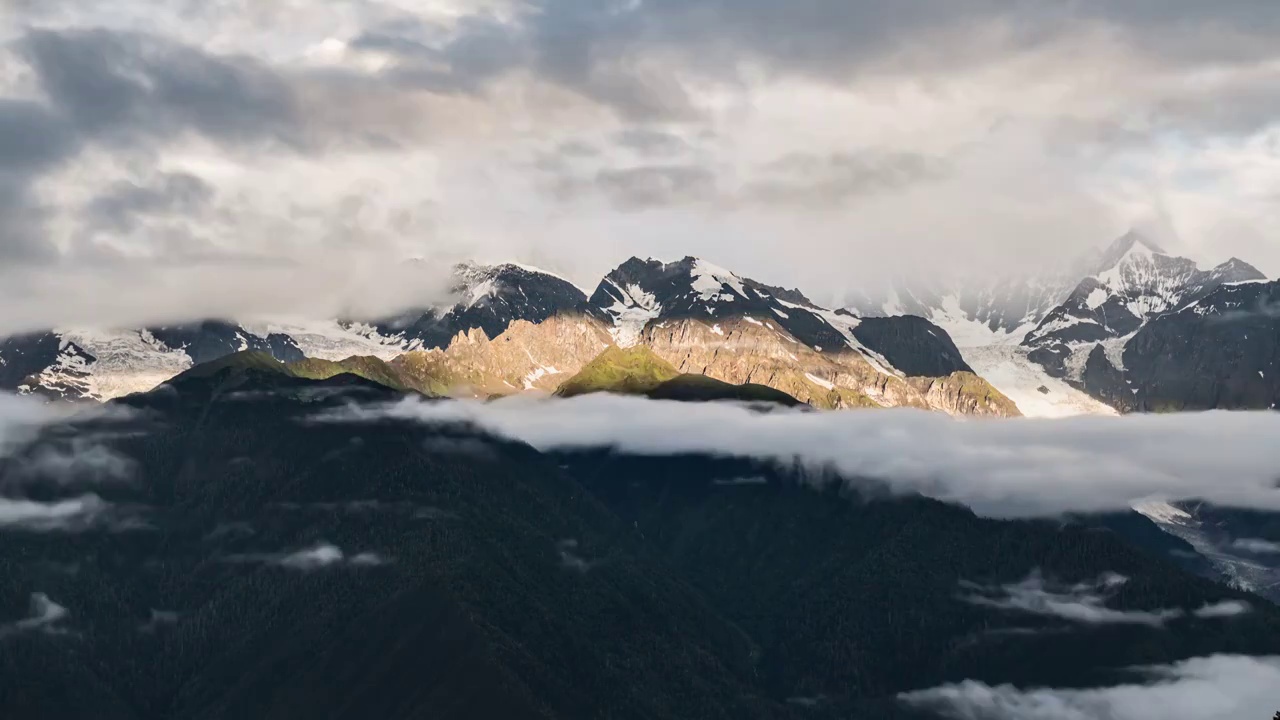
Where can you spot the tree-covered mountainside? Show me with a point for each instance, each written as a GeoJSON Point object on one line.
{"type": "Point", "coordinates": [638, 371]}
{"type": "Point", "coordinates": [634, 370]}
{"type": "Point", "coordinates": [265, 551]}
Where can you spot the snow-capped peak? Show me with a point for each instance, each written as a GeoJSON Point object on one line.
{"type": "Point", "coordinates": [710, 280]}
{"type": "Point", "coordinates": [1127, 248]}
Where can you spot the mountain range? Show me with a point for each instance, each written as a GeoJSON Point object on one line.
{"type": "Point", "coordinates": [1119, 330]}
{"type": "Point", "coordinates": [1129, 328]}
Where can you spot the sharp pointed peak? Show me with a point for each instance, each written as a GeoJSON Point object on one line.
{"type": "Point", "coordinates": [1131, 243]}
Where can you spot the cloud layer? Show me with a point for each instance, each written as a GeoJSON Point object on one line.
{"type": "Point", "coordinates": [1221, 687]}
{"type": "Point", "coordinates": [1002, 468]}
{"type": "Point", "coordinates": [69, 463]}
{"type": "Point", "coordinates": [1086, 603]}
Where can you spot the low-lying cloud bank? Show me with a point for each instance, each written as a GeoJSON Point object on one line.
{"type": "Point", "coordinates": [1220, 687]}
{"type": "Point", "coordinates": [1086, 603]}
{"type": "Point", "coordinates": [71, 462]}
{"type": "Point", "coordinates": [1000, 468]}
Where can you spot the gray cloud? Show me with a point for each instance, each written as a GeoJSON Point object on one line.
{"type": "Point", "coordinates": [118, 208]}
{"type": "Point", "coordinates": [639, 188]}
{"type": "Point", "coordinates": [362, 124]}
{"type": "Point", "coordinates": [1004, 468]}
{"type": "Point", "coordinates": [60, 462]}
{"type": "Point", "coordinates": [32, 137]}
{"type": "Point", "coordinates": [126, 91]}
{"type": "Point", "coordinates": [1220, 687]}
{"type": "Point", "coordinates": [1086, 603]}
{"type": "Point", "coordinates": [652, 143]}
{"type": "Point", "coordinates": [132, 87]}
{"type": "Point", "coordinates": [831, 180]}
{"type": "Point", "coordinates": [831, 37]}
{"type": "Point", "coordinates": [73, 460]}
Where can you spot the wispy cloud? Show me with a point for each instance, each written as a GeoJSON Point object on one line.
{"type": "Point", "coordinates": [1086, 603]}
{"type": "Point", "coordinates": [1261, 310]}
{"type": "Point", "coordinates": [72, 514]}
{"type": "Point", "coordinates": [569, 557]}
{"type": "Point", "coordinates": [64, 457]}
{"type": "Point", "coordinates": [315, 557]}
{"type": "Point", "coordinates": [1220, 687]}
{"type": "Point", "coordinates": [1254, 545]}
{"type": "Point", "coordinates": [44, 615]}
{"type": "Point", "coordinates": [159, 619]}
{"type": "Point", "coordinates": [1000, 468]}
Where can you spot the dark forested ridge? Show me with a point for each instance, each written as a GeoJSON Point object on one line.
{"type": "Point", "coordinates": [260, 564]}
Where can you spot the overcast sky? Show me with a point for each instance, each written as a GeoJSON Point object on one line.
{"type": "Point", "coordinates": [176, 156]}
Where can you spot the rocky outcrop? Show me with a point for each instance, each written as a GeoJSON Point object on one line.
{"type": "Point", "coordinates": [748, 351]}
{"type": "Point", "coordinates": [913, 345]}
{"type": "Point", "coordinates": [963, 393]}
{"type": "Point", "coordinates": [490, 298]}
{"type": "Point", "coordinates": [1134, 282]}
{"type": "Point", "coordinates": [740, 351]}
{"type": "Point", "coordinates": [1221, 352]}
{"type": "Point", "coordinates": [527, 356]}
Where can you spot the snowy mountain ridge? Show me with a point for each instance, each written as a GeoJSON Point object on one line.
{"type": "Point", "coordinates": [1135, 281]}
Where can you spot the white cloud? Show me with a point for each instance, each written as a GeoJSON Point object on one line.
{"type": "Point", "coordinates": [45, 614]}
{"type": "Point", "coordinates": [322, 555]}
{"type": "Point", "coordinates": [1002, 468]}
{"type": "Point", "coordinates": [72, 514]}
{"type": "Point", "coordinates": [1255, 545]}
{"type": "Point", "coordinates": [1221, 687]}
{"type": "Point", "coordinates": [315, 557]}
{"type": "Point", "coordinates": [1086, 603]}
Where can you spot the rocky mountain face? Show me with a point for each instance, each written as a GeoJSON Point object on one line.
{"type": "Point", "coordinates": [72, 364]}
{"type": "Point", "coordinates": [1110, 329]}
{"type": "Point", "coordinates": [1134, 282]}
{"type": "Point", "coordinates": [976, 312]}
{"type": "Point", "coordinates": [490, 299]}
{"type": "Point", "coordinates": [640, 291]}
{"type": "Point", "coordinates": [515, 330]}
{"type": "Point", "coordinates": [706, 320]}
{"type": "Point", "coordinates": [1221, 351]}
